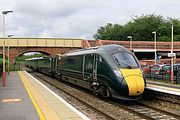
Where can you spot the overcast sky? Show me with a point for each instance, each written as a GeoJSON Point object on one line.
{"type": "Point", "coordinates": [76, 18]}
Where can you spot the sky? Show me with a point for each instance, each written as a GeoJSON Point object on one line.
{"type": "Point", "coordinates": [76, 18]}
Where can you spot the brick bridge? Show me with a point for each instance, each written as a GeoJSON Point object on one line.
{"type": "Point", "coordinates": [48, 46]}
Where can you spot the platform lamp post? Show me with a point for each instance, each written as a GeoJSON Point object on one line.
{"type": "Point", "coordinates": [155, 56]}
{"type": "Point", "coordinates": [4, 66]}
{"type": "Point", "coordinates": [8, 52]}
{"type": "Point", "coordinates": [172, 58]}
{"type": "Point", "coordinates": [130, 37]}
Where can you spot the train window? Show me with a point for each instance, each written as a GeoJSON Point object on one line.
{"type": "Point", "coordinates": [102, 67]}
{"type": "Point", "coordinates": [44, 63]}
{"type": "Point", "coordinates": [125, 60]}
{"type": "Point", "coordinates": [89, 59]}
{"type": "Point", "coordinates": [72, 63]}
{"type": "Point", "coordinates": [61, 63]}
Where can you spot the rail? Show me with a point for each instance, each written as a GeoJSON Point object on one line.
{"type": "Point", "coordinates": [56, 85]}
{"type": "Point", "coordinates": [139, 109]}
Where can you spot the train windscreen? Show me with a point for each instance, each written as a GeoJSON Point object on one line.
{"type": "Point", "coordinates": [125, 60]}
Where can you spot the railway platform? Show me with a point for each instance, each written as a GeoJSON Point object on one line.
{"type": "Point", "coordinates": [25, 98]}
{"type": "Point", "coordinates": [164, 87]}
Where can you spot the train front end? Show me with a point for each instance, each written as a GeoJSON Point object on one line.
{"type": "Point", "coordinates": [129, 74]}
{"type": "Point", "coordinates": [134, 80]}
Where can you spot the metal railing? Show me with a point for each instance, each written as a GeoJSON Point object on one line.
{"type": "Point", "coordinates": [161, 46]}
{"type": "Point", "coordinates": [163, 75]}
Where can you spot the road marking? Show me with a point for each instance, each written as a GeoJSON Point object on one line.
{"type": "Point", "coordinates": [8, 100]}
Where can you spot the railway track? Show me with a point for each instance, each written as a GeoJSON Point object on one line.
{"type": "Point", "coordinates": [163, 101]}
{"type": "Point", "coordinates": [149, 112]}
{"type": "Point", "coordinates": [167, 115]}
{"type": "Point", "coordinates": [142, 110]}
{"type": "Point", "coordinates": [165, 97]}
{"type": "Point", "coordinates": [79, 100]}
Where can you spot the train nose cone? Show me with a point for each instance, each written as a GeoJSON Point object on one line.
{"type": "Point", "coordinates": [134, 80]}
{"type": "Point", "coordinates": [135, 85]}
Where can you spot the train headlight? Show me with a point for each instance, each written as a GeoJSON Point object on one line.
{"type": "Point", "coordinates": [118, 73]}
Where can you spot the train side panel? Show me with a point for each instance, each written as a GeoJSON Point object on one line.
{"type": "Point", "coordinates": [44, 65]}
{"type": "Point", "coordinates": [34, 64]}
{"type": "Point", "coordinates": [71, 70]}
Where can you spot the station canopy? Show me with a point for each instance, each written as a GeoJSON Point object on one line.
{"type": "Point", "coordinates": [144, 50]}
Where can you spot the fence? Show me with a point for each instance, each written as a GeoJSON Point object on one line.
{"type": "Point", "coordinates": [163, 74]}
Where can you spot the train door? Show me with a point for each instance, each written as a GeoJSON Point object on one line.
{"type": "Point", "coordinates": [56, 63]}
{"type": "Point", "coordinates": [53, 63]}
{"type": "Point", "coordinates": [89, 68]}
{"type": "Point", "coordinates": [50, 61]}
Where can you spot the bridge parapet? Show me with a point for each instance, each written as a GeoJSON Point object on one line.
{"type": "Point", "coordinates": [42, 42]}
{"type": "Point", "coordinates": [161, 46]}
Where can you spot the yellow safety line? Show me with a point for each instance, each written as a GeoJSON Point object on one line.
{"type": "Point", "coordinates": [41, 116]}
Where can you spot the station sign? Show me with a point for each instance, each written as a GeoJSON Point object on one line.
{"type": "Point", "coordinates": [171, 54]}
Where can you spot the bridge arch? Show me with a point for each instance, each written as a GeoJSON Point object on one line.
{"type": "Point", "coordinates": [14, 52]}
{"type": "Point", "coordinates": [48, 45]}
{"type": "Point", "coordinates": [41, 52]}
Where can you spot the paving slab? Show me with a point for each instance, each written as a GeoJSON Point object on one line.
{"type": "Point", "coordinates": [15, 103]}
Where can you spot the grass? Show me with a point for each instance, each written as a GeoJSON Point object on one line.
{"type": "Point", "coordinates": [13, 67]}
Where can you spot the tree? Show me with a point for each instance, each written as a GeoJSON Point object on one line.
{"type": "Point", "coordinates": [141, 29]}
{"type": "Point", "coordinates": [109, 32]}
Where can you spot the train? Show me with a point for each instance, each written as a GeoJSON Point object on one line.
{"type": "Point", "coordinates": [107, 71]}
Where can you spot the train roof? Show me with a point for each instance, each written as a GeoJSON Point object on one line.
{"type": "Point", "coordinates": [38, 58]}
{"type": "Point", "coordinates": [34, 58]}
{"type": "Point", "coordinates": [43, 57]}
{"type": "Point", "coordinates": [112, 48]}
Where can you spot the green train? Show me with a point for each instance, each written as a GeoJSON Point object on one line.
{"type": "Point", "coordinates": [108, 71]}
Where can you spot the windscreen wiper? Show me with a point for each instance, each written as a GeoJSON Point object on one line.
{"type": "Point", "coordinates": [128, 66]}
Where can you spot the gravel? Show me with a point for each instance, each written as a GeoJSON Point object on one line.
{"type": "Point", "coordinates": [102, 105]}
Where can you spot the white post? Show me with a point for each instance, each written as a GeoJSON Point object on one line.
{"type": "Point", "coordinates": [4, 66]}
{"type": "Point", "coordinates": [130, 46]}
{"type": "Point", "coordinates": [172, 59]}
{"type": "Point", "coordinates": [8, 53]}
{"type": "Point", "coordinates": [155, 51]}
{"type": "Point", "coordinates": [4, 69]}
